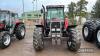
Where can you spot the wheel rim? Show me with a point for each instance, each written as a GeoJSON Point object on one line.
{"type": "Point", "coordinates": [86, 31]}
{"type": "Point", "coordinates": [69, 43]}
{"type": "Point", "coordinates": [98, 35]}
{"type": "Point", "coordinates": [22, 32]}
{"type": "Point", "coordinates": [6, 40]}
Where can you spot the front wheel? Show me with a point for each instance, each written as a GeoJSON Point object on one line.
{"type": "Point", "coordinates": [73, 42]}
{"type": "Point", "coordinates": [5, 40]}
{"type": "Point", "coordinates": [38, 42]}
{"type": "Point", "coordinates": [20, 32]}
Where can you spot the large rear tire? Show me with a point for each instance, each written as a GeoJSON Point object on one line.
{"type": "Point", "coordinates": [38, 43]}
{"type": "Point", "coordinates": [97, 35]}
{"type": "Point", "coordinates": [73, 42]}
{"type": "Point", "coordinates": [20, 32]}
{"type": "Point", "coordinates": [5, 40]}
{"type": "Point", "coordinates": [88, 31]}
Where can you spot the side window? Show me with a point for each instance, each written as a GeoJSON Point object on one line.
{"type": "Point", "coordinates": [6, 16]}
{"type": "Point", "coordinates": [12, 19]}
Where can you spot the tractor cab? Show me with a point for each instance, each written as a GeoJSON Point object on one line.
{"type": "Point", "coordinates": [55, 12]}
{"type": "Point", "coordinates": [54, 20]}
{"type": "Point", "coordinates": [7, 18]}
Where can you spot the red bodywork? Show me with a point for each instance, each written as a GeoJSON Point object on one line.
{"type": "Point", "coordinates": [1, 26]}
{"type": "Point", "coordinates": [66, 23]}
{"type": "Point", "coordinates": [58, 20]}
{"type": "Point", "coordinates": [17, 22]}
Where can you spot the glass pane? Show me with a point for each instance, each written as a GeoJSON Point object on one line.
{"type": "Point", "coordinates": [2, 16]}
{"type": "Point", "coordinates": [55, 13]}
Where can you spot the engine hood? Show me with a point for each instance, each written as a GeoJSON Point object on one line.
{"type": "Point", "coordinates": [55, 20]}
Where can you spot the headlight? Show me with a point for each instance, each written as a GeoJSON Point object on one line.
{"type": "Point", "coordinates": [58, 36]}
{"type": "Point", "coordinates": [58, 29]}
{"type": "Point", "coordinates": [53, 35]}
{"type": "Point", "coordinates": [53, 29]}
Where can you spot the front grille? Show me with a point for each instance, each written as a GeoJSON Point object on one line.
{"type": "Point", "coordinates": [55, 27]}
{"type": "Point", "coordinates": [55, 24]}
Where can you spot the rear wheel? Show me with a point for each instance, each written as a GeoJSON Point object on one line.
{"type": "Point", "coordinates": [88, 30]}
{"type": "Point", "coordinates": [38, 43]}
{"type": "Point", "coordinates": [74, 42]}
{"type": "Point", "coordinates": [20, 32]}
{"type": "Point", "coordinates": [98, 37]}
{"type": "Point", "coordinates": [5, 40]}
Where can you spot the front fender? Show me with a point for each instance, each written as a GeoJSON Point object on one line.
{"type": "Point", "coordinates": [17, 24]}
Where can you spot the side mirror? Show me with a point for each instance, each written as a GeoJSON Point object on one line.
{"type": "Point", "coordinates": [41, 10]}
{"type": "Point", "coordinates": [4, 21]}
{"type": "Point", "coordinates": [13, 15]}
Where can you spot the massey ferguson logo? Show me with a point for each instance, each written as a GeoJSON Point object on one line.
{"type": "Point", "coordinates": [55, 20]}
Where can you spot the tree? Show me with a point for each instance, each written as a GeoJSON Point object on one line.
{"type": "Point", "coordinates": [71, 11]}
{"type": "Point", "coordinates": [96, 10]}
{"type": "Point", "coordinates": [81, 9]}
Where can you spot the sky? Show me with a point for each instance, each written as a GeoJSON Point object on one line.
{"type": "Point", "coordinates": [29, 5]}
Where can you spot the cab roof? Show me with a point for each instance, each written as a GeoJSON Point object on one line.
{"type": "Point", "coordinates": [54, 6]}
{"type": "Point", "coordinates": [7, 11]}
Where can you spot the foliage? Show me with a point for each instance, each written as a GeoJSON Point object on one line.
{"type": "Point", "coordinates": [81, 8]}
{"type": "Point", "coordinates": [96, 10]}
{"type": "Point", "coordinates": [71, 10]}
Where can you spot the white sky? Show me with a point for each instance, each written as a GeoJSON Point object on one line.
{"type": "Point", "coordinates": [66, 2]}
{"type": "Point", "coordinates": [16, 5]}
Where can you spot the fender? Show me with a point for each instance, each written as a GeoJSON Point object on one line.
{"type": "Point", "coordinates": [17, 23]}
{"type": "Point", "coordinates": [66, 23]}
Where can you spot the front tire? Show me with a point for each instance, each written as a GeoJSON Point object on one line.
{"type": "Point", "coordinates": [38, 43]}
{"type": "Point", "coordinates": [73, 42]}
{"type": "Point", "coordinates": [20, 32]}
{"type": "Point", "coordinates": [5, 40]}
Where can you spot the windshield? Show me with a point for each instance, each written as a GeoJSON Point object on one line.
{"type": "Point", "coordinates": [2, 16]}
{"type": "Point", "coordinates": [55, 13]}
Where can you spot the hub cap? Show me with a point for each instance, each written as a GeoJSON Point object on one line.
{"type": "Point", "coordinates": [69, 43]}
{"type": "Point", "coordinates": [86, 31]}
{"type": "Point", "coordinates": [98, 35]}
{"type": "Point", "coordinates": [7, 39]}
{"type": "Point", "coordinates": [22, 32]}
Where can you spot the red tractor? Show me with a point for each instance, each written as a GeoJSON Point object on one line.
{"type": "Point", "coordinates": [10, 26]}
{"type": "Point", "coordinates": [54, 28]}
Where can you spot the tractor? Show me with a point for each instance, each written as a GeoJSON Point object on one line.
{"type": "Point", "coordinates": [10, 26]}
{"type": "Point", "coordinates": [54, 28]}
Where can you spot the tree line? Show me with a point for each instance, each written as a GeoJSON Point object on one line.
{"type": "Point", "coordinates": [80, 9]}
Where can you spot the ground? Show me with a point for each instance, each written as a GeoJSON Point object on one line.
{"type": "Point", "coordinates": [24, 48]}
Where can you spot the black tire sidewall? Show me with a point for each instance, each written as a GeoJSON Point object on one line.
{"type": "Point", "coordinates": [88, 38]}
{"type": "Point", "coordinates": [73, 39]}
{"type": "Point", "coordinates": [39, 38]}
{"type": "Point", "coordinates": [97, 42]}
{"type": "Point", "coordinates": [2, 45]}
{"type": "Point", "coordinates": [18, 32]}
